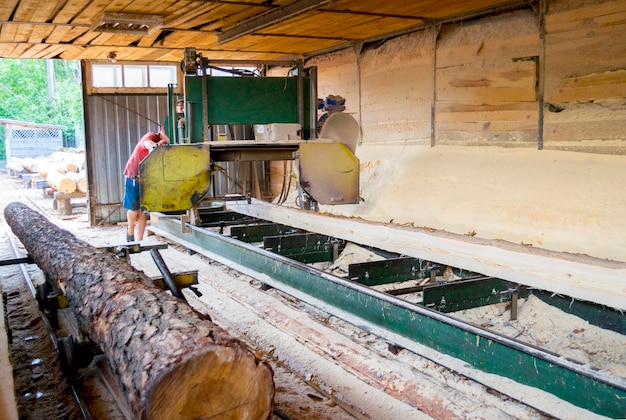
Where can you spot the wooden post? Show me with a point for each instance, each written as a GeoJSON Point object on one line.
{"type": "Point", "coordinates": [170, 361]}
{"type": "Point", "coordinates": [63, 203]}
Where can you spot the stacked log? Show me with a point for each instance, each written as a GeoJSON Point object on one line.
{"type": "Point", "coordinates": [170, 361]}
{"type": "Point", "coordinates": [80, 179]}
{"type": "Point", "coordinates": [61, 182]}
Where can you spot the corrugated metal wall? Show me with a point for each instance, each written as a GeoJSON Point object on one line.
{"type": "Point", "coordinates": [113, 125]}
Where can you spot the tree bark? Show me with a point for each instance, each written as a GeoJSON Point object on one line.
{"type": "Point", "coordinates": [170, 362]}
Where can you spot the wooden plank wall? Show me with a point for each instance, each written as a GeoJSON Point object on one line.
{"type": "Point", "coordinates": [337, 76]}
{"type": "Point", "coordinates": [486, 81]}
{"type": "Point", "coordinates": [585, 68]}
{"type": "Point", "coordinates": [396, 86]}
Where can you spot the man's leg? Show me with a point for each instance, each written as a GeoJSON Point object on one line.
{"type": "Point", "coordinates": [133, 218]}
{"type": "Point", "coordinates": [142, 220]}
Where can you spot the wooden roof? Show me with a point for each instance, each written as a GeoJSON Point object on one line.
{"type": "Point", "coordinates": [159, 30]}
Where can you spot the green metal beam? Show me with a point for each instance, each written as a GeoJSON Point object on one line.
{"type": "Point", "coordinates": [256, 233]}
{"type": "Point", "coordinates": [466, 294]}
{"type": "Point", "coordinates": [479, 348]}
{"type": "Point", "coordinates": [390, 270]}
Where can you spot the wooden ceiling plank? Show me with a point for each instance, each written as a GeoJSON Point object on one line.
{"type": "Point", "coordinates": [227, 17]}
{"type": "Point", "coordinates": [57, 34]}
{"type": "Point", "coordinates": [6, 49]}
{"type": "Point", "coordinates": [40, 33]}
{"type": "Point", "coordinates": [74, 33]}
{"type": "Point", "coordinates": [7, 33]}
{"type": "Point", "coordinates": [44, 12]}
{"type": "Point", "coordinates": [148, 40]}
{"type": "Point", "coordinates": [70, 52]}
{"type": "Point", "coordinates": [25, 10]}
{"type": "Point", "coordinates": [33, 50]}
{"type": "Point", "coordinates": [91, 12]}
{"type": "Point", "coordinates": [52, 51]}
{"type": "Point", "coordinates": [23, 33]}
{"type": "Point", "coordinates": [19, 50]}
{"type": "Point", "coordinates": [203, 40]}
{"type": "Point", "coordinates": [123, 40]}
{"type": "Point", "coordinates": [162, 7]}
{"type": "Point", "coordinates": [86, 38]}
{"type": "Point", "coordinates": [6, 8]}
{"type": "Point", "coordinates": [68, 11]}
{"type": "Point", "coordinates": [185, 38]}
{"type": "Point", "coordinates": [180, 17]}
{"type": "Point", "coordinates": [375, 27]}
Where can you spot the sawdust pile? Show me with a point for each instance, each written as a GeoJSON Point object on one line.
{"type": "Point", "coordinates": [547, 327]}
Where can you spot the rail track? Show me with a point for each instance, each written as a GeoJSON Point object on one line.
{"type": "Point", "coordinates": [284, 259]}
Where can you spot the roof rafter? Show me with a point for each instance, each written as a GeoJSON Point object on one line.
{"type": "Point", "coordinates": [269, 18]}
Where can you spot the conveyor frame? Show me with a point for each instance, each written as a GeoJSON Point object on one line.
{"type": "Point", "coordinates": [481, 349]}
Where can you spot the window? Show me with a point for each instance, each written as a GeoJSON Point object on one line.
{"type": "Point", "coordinates": [107, 75]}
{"type": "Point", "coordinates": [135, 76]}
{"type": "Point", "coordinates": [161, 76]}
{"type": "Point", "coordinates": [131, 77]}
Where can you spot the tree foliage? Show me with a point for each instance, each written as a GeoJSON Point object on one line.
{"type": "Point", "coordinates": [29, 95]}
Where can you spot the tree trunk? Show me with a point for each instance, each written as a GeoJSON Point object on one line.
{"type": "Point", "coordinates": [170, 362]}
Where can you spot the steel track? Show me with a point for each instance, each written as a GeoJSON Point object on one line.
{"type": "Point", "coordinates": [411, 326]}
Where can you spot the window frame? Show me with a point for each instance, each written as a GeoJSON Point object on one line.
{"type": "Point", "coordinates": [91, 89]}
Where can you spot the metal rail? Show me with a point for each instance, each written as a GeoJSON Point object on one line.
{"type": "Point", "coordinates": [390, 317]}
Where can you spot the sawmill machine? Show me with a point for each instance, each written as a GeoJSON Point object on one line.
{"type": "Point", "coordinates": [179, 177]}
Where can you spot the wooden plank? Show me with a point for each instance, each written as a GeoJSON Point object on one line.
{"type": "Point", "coordinates": [520, 74]}
{"type": "Point", "coordinates": [486, 126]}
{"type": "Point", "coordinates": [6, 8]}
{"type": "Point", "coordinates": [71, 52]}
{"type": "Point", "coordinates": [581, 277]}
{"type": "Point", "coordinates": [482, 95]}
{"type": "Point", "coordinates": [7, 33]}
{"type": "Point", "coordinates": [569, 15]}
{"type": "Point", "coordinates": [481, 50]}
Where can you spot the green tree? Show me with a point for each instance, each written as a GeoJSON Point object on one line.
{"type": "Point", "coordinates": [25, 94]}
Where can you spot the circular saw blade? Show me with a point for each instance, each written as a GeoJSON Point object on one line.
{"type": "Point", "coordinates": [341, 128]}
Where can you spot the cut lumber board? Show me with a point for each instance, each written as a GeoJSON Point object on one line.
{"type": "Point", "coordinates": [578, 276]}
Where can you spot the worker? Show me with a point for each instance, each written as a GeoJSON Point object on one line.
{"type": "Point", "coordinates": [180, 120]}
{"type": "Point", "coordinates": [135, 215]}
{"type": "Point", "coordinates": [332, 104]}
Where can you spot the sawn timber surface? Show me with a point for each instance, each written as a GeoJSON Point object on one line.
{"type": "Point", "coordinates": [578, 276]}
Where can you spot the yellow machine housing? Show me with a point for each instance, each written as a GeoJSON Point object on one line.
{"type": "Point", "coordinates": [329, 172]}
{"type": "Point", "coordinates": [175, 177]}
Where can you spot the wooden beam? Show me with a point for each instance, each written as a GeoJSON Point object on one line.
{"type": "Point", "coordinates": [578, 276]}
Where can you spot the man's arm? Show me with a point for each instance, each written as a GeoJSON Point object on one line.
{"type": "Point", "coordinates": [164, 139]}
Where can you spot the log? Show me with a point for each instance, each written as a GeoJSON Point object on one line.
{"type": "Point", "coordinates": [170, 361]}
{"type": "Point", "coordinates": [80, 178]}
{"type": "Point", "coordinates": [61, 182]}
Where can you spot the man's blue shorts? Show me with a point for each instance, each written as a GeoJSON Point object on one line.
{"type": "Point", "coordinates": [131, 194]}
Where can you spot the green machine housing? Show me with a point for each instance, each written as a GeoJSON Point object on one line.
{"type": "Point", "coordinates": [177, 177]}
